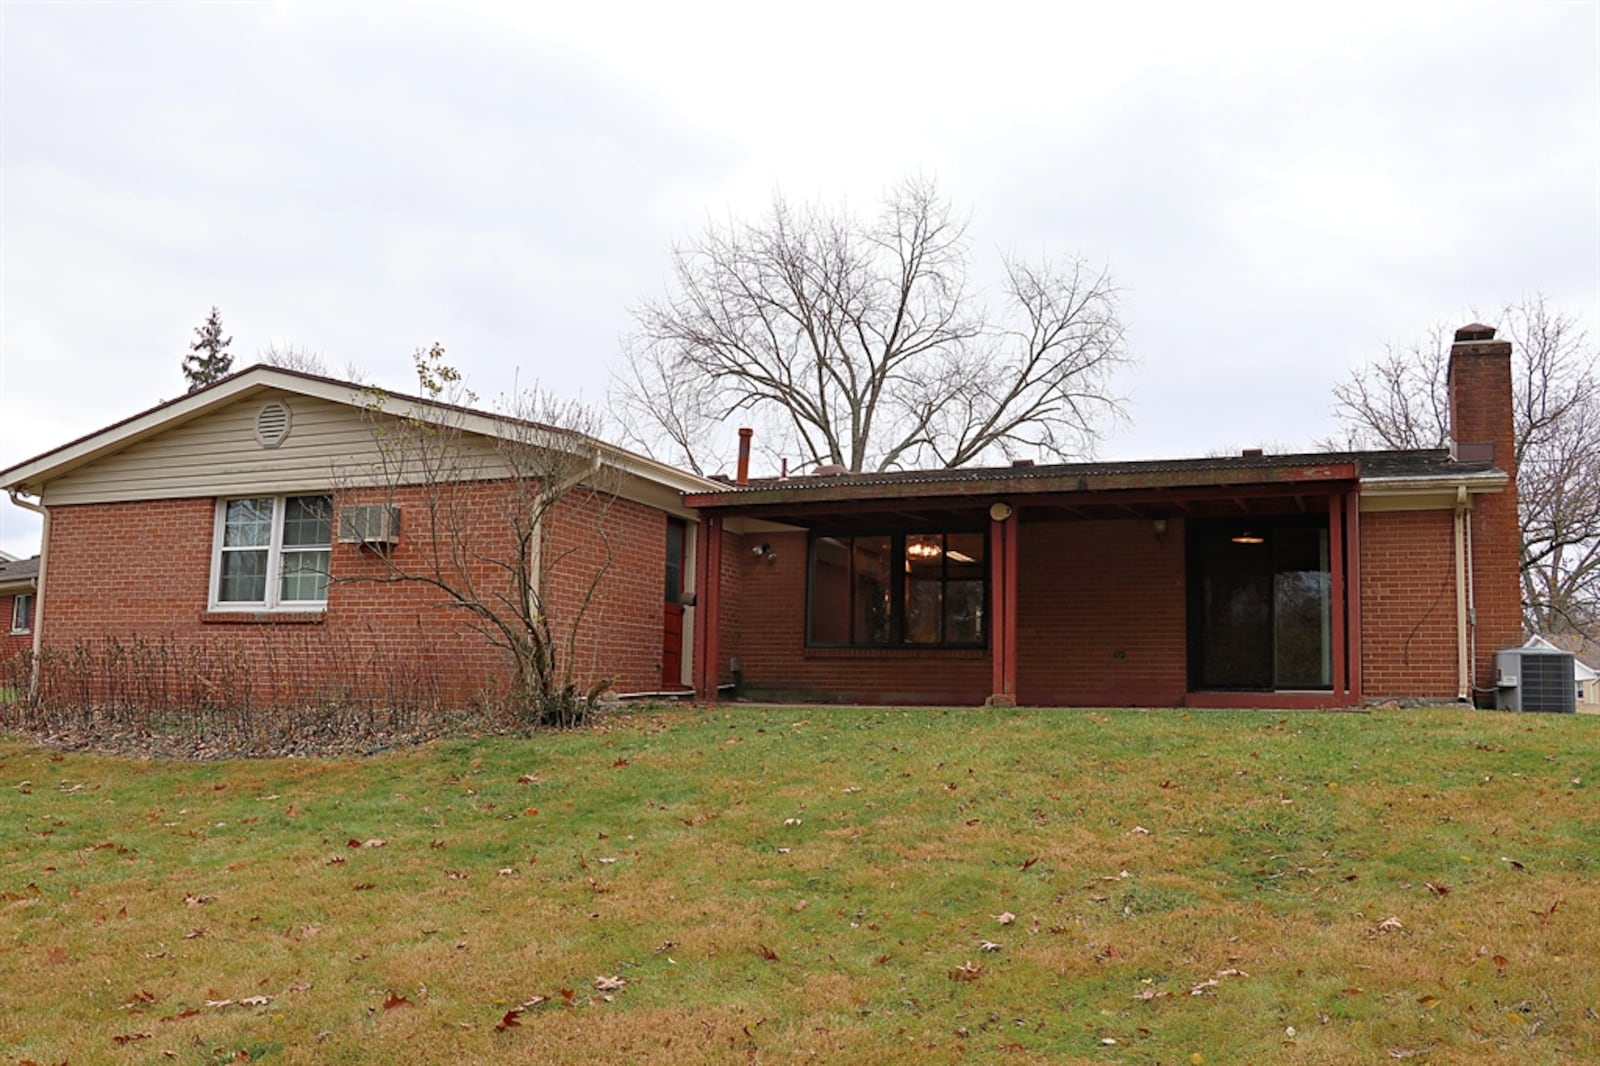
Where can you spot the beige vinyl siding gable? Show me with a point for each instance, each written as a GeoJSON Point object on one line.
{"type": "Point", "coordinates": [330, 445]}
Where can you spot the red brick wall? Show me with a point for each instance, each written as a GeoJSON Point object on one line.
{"type": "Point", "coordinates": [1101, 614]}
{"type": "Point", "coordinates": [1408, 604]}
{"type": "Point", "coordinates": [142, 571]}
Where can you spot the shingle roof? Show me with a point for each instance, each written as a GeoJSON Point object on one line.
{"type": "Point", "coordinates": [19, 570]}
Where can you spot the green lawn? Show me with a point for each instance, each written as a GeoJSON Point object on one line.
{"type": "Point", "coordinates": [779, 884]}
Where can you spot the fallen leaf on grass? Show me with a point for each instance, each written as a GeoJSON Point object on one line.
{"type": "Point", "coordinates": [1005, 918]}
{"type": "Point", "coordinates": [395, 1000]}
{"type": "Point", "coordinates": [508, 1022]}
{"type": "Point", "coordinates": [1390, 924]}
{"type": "Point", "coordinates": [1437, 890]}
{"type": "Point", "coordinates": [528, 779]}
{"type": "Point", "coordinates": [196, 901]}
{"type": "Point", "coordinates": [363, 886]}
{"type": "Point", "coordinates": [188, 1012]}
{"type": "Point", "coordinates": [195, 934]}
{"type": "Point", "coordinates": [1029, 862]}
{"type": "Point", "coordinates": [610, 984]}
{"type": "Point", "coordinates": [1151, 993]}
{"type": "Point", "coordinates": [967, 971]}
{"type": "Point", "coordinates": [1501, 961]}
{"type": "Point", "coordinates": [1204, 987]}
{"type": "Point", "coordinates": [128, 1038]}
{"type": "Point", "coordinates": [1139, 830]}
{"type": "Point", "coordinates": [1544, 915]}
{"type": "Point", "coordinates": [1513, 863]}
{"type": "Point", "coordinates": [766, 953]}
{"type": "Point", "coordinates": [988, 945]}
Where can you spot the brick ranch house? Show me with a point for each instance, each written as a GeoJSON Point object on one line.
{"type": "Point", "coordinates": [18, 578]}
{"type": "Point", "coordinates": [1313, 580]}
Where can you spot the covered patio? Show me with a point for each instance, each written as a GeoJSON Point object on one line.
{"type": "Point", "coordinates": [1203, 582]}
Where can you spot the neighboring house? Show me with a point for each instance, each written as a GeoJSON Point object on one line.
{"type": "Point", "coordinates": [1585, 676]}
{"type": "Point", "coordinates": [1320, 580]}
{"type": "Point", "coordinates": [202, 532]}
{"type": "Point", "coordinates": [18, 585]}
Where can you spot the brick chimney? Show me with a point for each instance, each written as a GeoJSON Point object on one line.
{"type": "Point", "coordinates": [1480, 398]}
{"type": "Point", "coordinates": [1482, 427]}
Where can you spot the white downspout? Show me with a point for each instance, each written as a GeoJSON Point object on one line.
{"type": "Point", "coordinates": [38, 583]}
{"type": "Point", "coordinates": [1472, 608]}
{"type": "Point", "coordinates": [1463, 663]}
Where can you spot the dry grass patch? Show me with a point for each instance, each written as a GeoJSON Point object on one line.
{"type": "Point", "coordinates": [842, 884]}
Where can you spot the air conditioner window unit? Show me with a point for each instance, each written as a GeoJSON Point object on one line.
{"type": "Point", "coordinates": [376, 524]}
{"type": "Point", "coordinates": [1535, 679]}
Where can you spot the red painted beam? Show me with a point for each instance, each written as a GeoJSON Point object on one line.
{"type": "Point", "coordinates": [708, 607]}
{"type": "Point", "coordinates": [1352, 510]}
{"type": "Point", "coordinates": [1012, 536]}
{"type": "Point", "coordinates": [1336, 583]}
{"type": "Point", "coordinates": [998, 590]}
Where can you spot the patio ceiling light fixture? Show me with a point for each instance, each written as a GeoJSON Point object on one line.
{"type": "Point", "coordinates": [1247, 537]}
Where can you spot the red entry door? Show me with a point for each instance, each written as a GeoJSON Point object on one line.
{"type": "Point", "coordinates": [672, 620]}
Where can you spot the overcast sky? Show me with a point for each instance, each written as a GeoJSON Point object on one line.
{"type": "Point", "coordinates": [1281, 189]}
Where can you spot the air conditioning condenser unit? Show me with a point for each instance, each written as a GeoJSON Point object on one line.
{"type": "Point", "coordinates": [1535, 679]}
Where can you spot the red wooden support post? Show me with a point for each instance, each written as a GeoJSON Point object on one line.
{"type": "Point", "coordinates": [1009, 620]}
{"type": "Point", "coordinates": [708, 607]}
{"type": "Point", "coordinates": [1003, 607]}
{"type": "Point", "coordinates": [1352, 510]}
{"type": "Point", "coordinates": [1336, 583]}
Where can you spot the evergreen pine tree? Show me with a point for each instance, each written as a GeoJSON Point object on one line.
{"type": "Point", "coordinates": [208, 358]}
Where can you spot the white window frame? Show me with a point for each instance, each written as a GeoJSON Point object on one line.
{"type": "Point", "coordinates": [274, 549]}
{"type": "Point", "coordinates": [27, 616]}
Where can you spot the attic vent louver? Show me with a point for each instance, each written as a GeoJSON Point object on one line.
{"type": "Point", "coordinates": [272, 424]}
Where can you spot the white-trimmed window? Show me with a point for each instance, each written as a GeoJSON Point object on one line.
{"type": "Point", "coordinates": [22, 613]}
{"type": "Point", "coordinates": [272, 553]}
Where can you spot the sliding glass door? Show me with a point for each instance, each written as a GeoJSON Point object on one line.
{"type": "Point", "coordinates": [1260, 613]}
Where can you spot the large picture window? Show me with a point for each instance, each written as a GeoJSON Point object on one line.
{"type": "Point", "coordinates": [898, 589]}
{"type": "Point", "coordinates": [272, 552]}
{"type": "Point", "coordinates": [1260, 609]}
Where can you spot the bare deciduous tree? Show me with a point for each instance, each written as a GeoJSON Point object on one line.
{"type": "Point", "coordinates": [862, 340]}
{"type": "Point", "coordinates": [306, 361]}
{"type": "Point", "coordinates": [483, 539]}
{"type": "Point", "coordinates": [1401, 401]}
